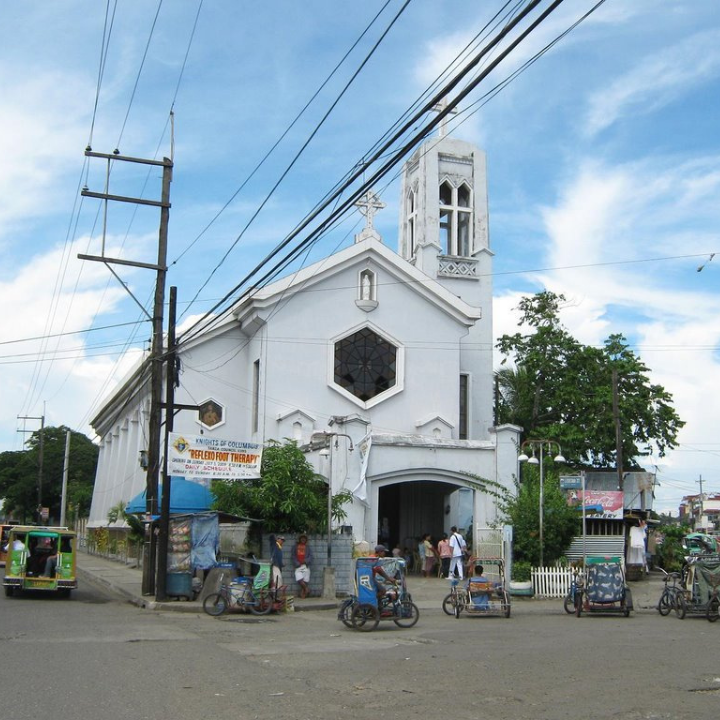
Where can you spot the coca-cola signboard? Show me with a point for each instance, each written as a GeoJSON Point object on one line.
{"type": "Point", "coordinates": [606, 504]}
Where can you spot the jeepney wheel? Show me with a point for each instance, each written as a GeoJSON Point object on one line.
{"type": "Point", "coordinates": [713, 609]}
{"type": "Point", "coordinates": [506, 604]}
{"type": "Point", "coordinates": [262, 603]}
{"type": "Point", "coordinates": [365, 617]}
{"type": "Point", "coordinates": [9, 591]}
{"type": "Point", "coordinates": [680, 605]}
{"type": "Point", "coordinates": [409, 614]}
{"type": "Point", "coordinates": [64, 593]}
{"type": "Point", "coordinates": [215, 604]}
{"type": "Point", "coordinates": [449, 604]}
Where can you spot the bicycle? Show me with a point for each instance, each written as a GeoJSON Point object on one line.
{"type": "Point", "coordinates": [569, 600]}
{"type": "Point", "coordinates": [241, 596]}
{"type": "Point", "coordinates": [669, 595]}
{"type": "Point", "coordinates": [451, 601]}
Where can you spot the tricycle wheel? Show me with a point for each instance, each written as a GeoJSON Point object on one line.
{"type": "Point", "coordinates": [680, 605]}
{"type": "Point", "coordinates": [626, 610]}
{"type": "Point", "coordinates": [506, 604]}
{"type": "Point", "coordinates": [215, 604]}
{"type": "Point", "coordinates": [449, 604]}
{"type": "Point", "coordinates": [713, 609]}
{"type": "Point", "coordinates": [262, 603]}
{"type": "Point", "coordinates": [578, 604]}
{"type": "Point", "coordinates": [409, 614]}
{"type": "Point", "coordinates": [345, 612]}
{"type": "Point", "coordinates": [365, 617]}
{"type": "Point", "coordinates": [664, 604]}
{"type": "Point", "coordinates": [569, 604]}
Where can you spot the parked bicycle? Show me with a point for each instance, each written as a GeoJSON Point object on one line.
{"type": "Point", "coordinates": [669, 595]}
{"type": "Point", "coordinates": [576, 585]}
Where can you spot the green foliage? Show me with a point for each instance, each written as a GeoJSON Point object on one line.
{"type": "Point", "coordinates": [288, 497]}
{"type": "Point", "coordinates": [19, 474]}
{"type": "Point", "coordinates": [563, 390]}
{"type": "Point", "coordinates": [521, 571]}
{"type": "Point", "coordinates": [522, 510]}
{"type": "Point", "coordinates": [669, 553]}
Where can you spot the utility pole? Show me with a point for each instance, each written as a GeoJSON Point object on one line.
{"type": "Point", "coordinates": [66, 469]}
{"type": "Point", "coordinates": [702, 505]}
{"type": "Point", "coordinates": [41, 452]}
{"type": "Point", "coordinates": [156, 353]}
{"type": "Point", "coordinates": [618, 431]}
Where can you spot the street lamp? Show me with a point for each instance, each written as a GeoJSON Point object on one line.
{"type": "Point", "coordinates": [542, 446]}
{"type": "Point", "coordinates": [323, 440]}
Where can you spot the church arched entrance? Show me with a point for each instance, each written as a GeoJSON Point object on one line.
{"type": "Point", "coordinates": [409, 509]}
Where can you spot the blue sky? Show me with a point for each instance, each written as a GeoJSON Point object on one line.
{"type": "Point", "coordinates": [603, 172]}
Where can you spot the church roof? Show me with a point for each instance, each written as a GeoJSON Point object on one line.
{"type": "Point", "coordinates": [358, 253]}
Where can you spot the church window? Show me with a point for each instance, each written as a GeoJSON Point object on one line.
{"type": "Point", "coordinates": [256, 396]}
{"type": "Point", "coordinates": [455, 219]}
{"type": "Point", "coordinates": [411, 223]}
{"type": "Point", "coordinates": [464, 401]}
{"type": "Point", "coordinates": [365, 364]}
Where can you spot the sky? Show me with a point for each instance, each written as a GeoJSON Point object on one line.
{"type": "Point", "coordinates": [603, 175]}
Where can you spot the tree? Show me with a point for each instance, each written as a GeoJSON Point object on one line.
{"type": "Point", "coordinates": [563, 390]}
{"type": "Point", "coordinates": [287, 497]}
{"type": "Point", "coordinates": [19, 473]}
{"type": "Point", "coordinates": [522, 510]}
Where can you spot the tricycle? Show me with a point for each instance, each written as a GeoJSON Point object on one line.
{"type": "Point", "coordinates": [603, 588]}
{"type": "Point", "coordinates": [484, 591]}
{"type": "Point", "coordinates": [380, 594]}
{"type": "Point", "coordinates": [700, 591]}
{"type": "Point", "coordinates": [249, 594]}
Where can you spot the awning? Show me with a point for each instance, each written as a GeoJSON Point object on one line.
{"type": "Point", "coordinates": [185, 497]}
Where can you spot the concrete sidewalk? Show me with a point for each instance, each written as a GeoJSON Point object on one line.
{"type": "Point", "coordinates": [427, 593]}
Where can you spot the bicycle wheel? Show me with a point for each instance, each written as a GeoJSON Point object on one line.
{"type": "Point", "coordinates": [713, 609]}
{"type": "Point", "coordinates": [345, 612]}
{"type": "Point", "coordinates": [680, 605]}
{"type": "Point", "coordinates": [365, 617]}
{"type": "Point", "coordinates": [215, 604]}
{"type": "Point", "coordinates": [449, 603]}
{"type": "Point", "coordinates": [261, 602]}
{"type": "Point", "coordinates": [569, 603]}
{"type": "Point", "coordinates": [409, 614]}
{"type": "Point", "coordinates": [578, 604]}
{"type": "Point", "coordinates": [665, 604]}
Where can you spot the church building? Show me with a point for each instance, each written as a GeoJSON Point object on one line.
{"type": "Point", "coordinates": [389, 353]}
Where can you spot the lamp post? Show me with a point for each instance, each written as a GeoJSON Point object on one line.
{"type": "Point", "coordinates": [542, 446]}
{"type": "Point", "coordinates": [323, 440]}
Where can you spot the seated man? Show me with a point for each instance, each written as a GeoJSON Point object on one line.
{"type": "Point", "coordinates": [380, 577]}
{"type": "Point", "coordinates": [479, 588]}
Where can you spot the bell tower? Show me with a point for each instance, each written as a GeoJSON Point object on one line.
{"type": "Point", "coordinates": [444, 233]}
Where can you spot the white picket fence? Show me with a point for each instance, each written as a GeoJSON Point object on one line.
{"type": "Point", "coordinates": [551, 582]}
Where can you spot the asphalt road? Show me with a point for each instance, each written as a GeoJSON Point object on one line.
{"type": "Point", "coordinates": [94, 656]}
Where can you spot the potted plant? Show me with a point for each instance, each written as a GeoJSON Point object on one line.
{"type": "Point", "coordinates": [521, 583]}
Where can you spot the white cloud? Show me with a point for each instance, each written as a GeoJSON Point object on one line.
{"type": "Point", "coordinates": [657, 81]}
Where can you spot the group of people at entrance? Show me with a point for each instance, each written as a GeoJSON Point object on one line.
{"type": "Point", "coordinates": [446, 558]}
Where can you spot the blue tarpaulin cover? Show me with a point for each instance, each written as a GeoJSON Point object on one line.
{"type": "Point", "coordinates": [185, 497]}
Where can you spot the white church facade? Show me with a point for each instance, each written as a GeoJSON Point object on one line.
{"type": "Point", "coordinates": [390, 353]}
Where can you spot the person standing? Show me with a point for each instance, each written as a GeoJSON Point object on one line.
{"type": "Point", "coordinates": [459, 548]}
{"type": "Point", "coordinates": [276, 559]}
{"type": "Point", "coordinates": [302, 558]}
{"type": "Point", "coordinates": [421, 556]}
{"type": "Point", "coordinates": [430, 556]}
{"type": "Point", "coordinates": [445, 553]}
